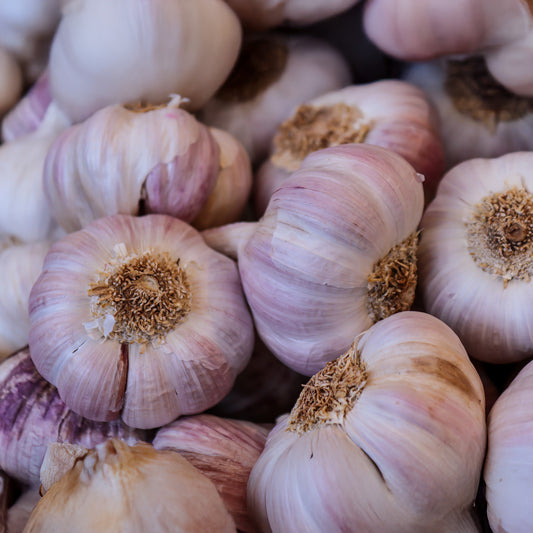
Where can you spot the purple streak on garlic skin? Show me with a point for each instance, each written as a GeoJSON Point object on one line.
{"type": "Point", "coordinates": [32, 415]}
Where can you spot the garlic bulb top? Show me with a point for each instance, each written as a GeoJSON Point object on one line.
{"type": "Point", "coordinates": [10, 81]}
{"type": "Point", "coordinates": [116, 487]}
{"type": "Point", "coordinates": [145, 51]}
{"type": "Point", "coordinates": [137, 317]}
{"type": "Point", "coordinates": [389, 437]}
{"type": "Point", "coordinates": [508, 469]}
{"type": "Point", "coordinates": [334, 252]}
{"type": "Point", "coordinates": [475, 256]}
{"type": "Point", "coordinates": [123, 161]}
{"type": "Point", "coordinates": [274, 73]}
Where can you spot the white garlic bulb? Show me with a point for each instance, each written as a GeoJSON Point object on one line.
{"type": "Point", "coordinates": [334, 252]}
{"type": "Point", "coordinates": [117, 487]}
{"type": "Point", "coordinates": [136, 317]}
{"type": "Point", "coordinates": [131, 161]}
{"type": "Point", "coordinates": [508, 469]}
{"type": "Point", "coordinates": [145, 51]}
{"type": "Point", "coordinates": [10, 81]}
{"type": "Point", "coordinates": [475, 256]}
{"type": "Point", "coordinates": [478, 117]}
{"type": "Point", "coordinates": [274, 73]}
{"type": "Point", "coordinates": [389, 437]}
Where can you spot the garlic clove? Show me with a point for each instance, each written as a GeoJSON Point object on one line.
{"type": "Point", "coordinates": [20, 511]}
{"type": "Point", "coordinates": [11, 81]}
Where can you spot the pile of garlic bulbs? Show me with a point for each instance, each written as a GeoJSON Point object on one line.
{"type": "Point", "coordinates": [265, 266]}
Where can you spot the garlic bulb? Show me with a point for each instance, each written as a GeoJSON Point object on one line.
{"type": "Point", "coordinates": [145, 51]}
{"type": "Point", "coordinates": [124, 161]}
{"type": "Point", "coordinates": [137, 317]}
{"type": "Point", "coordinates": [4, 498]}
{"type": "Point", "coordinates": [508, 469]}
{"type": "Point", "coordinates": [388, 113]}
{"type": "Point", "coordinates": [224, 450]}
{"type": "Point", "coordinates": [20, 266]}
{"type": "Point", "coordinates": [475, 256]}
{"type": "Point", "coordinates": [32, 415]}
{"type": "Point", "coordinates": [478, 117]}
{"type": "Point", "coordinates": [28, 113]}
{"type": "Point", "coordinates": [117, 487]}
{"type": "Point", "coordinates": [20, 511]}
{"type": "Point", "coordinates": [233, 185]}
{"type": "Point", "coordinates": [389, 437]}
{"type": "Point", "coordinates": [334, 252]}
{"type": "Point", "coordinates": [274, 73]}
{"type": "Point", "coordinates": [10, 81]}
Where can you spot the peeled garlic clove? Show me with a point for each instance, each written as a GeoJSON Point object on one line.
{"type": "Point", "coordinates": [334, 252]}
{"type": "Point", "coordinates": [130, 161]}
{"type": "Point", "coordinates": [137, 317]}
{"type": "Point", "coordinates": [389, 113]}
{"type": "Point", "coordinates": [273, 74]}
{"type": "Point", "coordinates": [10, 81]}
{"type": "Point", "coordinates": [389, 437]}
{"type": "Point", "coordinates": [32, 415]}
{"type": "Point", "coordinates": [145, 51]}
{"type": "Point", "coordinates": [508, 470]}
{"type": "Point", "coordinates": [475, 256]}
{"type": "Point", "coordinates": [478, 117]}
{"type": "Point", "coordinates": [224, 450]}
{"type": "Point", "coordinates": [233, 185]}
{"type": "Point", "coordinates": [131, 488]}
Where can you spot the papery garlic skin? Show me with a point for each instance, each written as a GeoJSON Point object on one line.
{"type": "Point", "coordinates": [508, 470]}
{"type": "Point", "coordinates": [469, 281]}
{"type": "Point", "coordinates": [120, 161]}
{"type": "Point", "coordinates": [290, 69]}
{"type": "Point", "coordinates": [10, 81]}
{"type": "Point", "coordinates": [393, 439]}
{"type": "Point", "coordinates": [145, 51]}
{"type": "Point", "coordinates": [136, 489]}
{"type": "Point", "coordinates": [33, 415]}
{"type": "Point", "coordinates": [170, 341]}
{"type": "Point", "coordinates": [224, 450]}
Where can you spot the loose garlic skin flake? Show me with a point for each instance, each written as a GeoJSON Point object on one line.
{"type": "Point", "coordinates": [475, 256]}
{"type": "Point", "coordinates": [389, 437]}
{"type": "Point", "coordinates": [137, 317]}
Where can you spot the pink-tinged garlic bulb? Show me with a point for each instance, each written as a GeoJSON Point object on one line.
{"type": "Point", "coordinates": [32, 415]}
{"type": "Point", "coordinates": [145, 51]}
{"type": "Point", "coordinates": [20, 266]}
{"type": "Point", "coordinates": [222, 449]}
{"type": "Point", "coordinates": [233, 184]}
{"type": "Point", "coordinates": [475, 256]}
{"type": "Point", "coordinates": [136, 317]}
{"type": "Point", "coordinates": [478, 117]}
{"type": "Point", "coordinates": [334, 252]}
{"type": "Point", "coordinates": [116, 487]}
{"type": "Point", "coordinates": [508, 468]}
{"type": "Point", "coordinates": [29, 111]}
{"type": "Point", "coordinates": [388, 113]}
{"type": "Point", "coordinates": [274, 74]}
{"type": "Point", "coordinates": [10, 81]}
{"type": "Point", "coordinates": [389, 437]}
{"type": "Point", "coordinates": [129, 161]}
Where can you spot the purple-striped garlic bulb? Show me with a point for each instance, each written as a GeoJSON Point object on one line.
{"type": "Point", "coordinates": [224, 450]}
{"type": "Point", "coordinates": [274, 74]}
{"type": "Point", "coordinates": [389, 113]}
{"type": "Point", "coordinates": [508, 469]}
{"type": "Point", "coordinates": [131, 161]}
{"type": "Point", "coordinates": [32, 415]}
{"type": "Point", "coordinates": [136, 317]}
{"type": "Point", "coordinates": [476, 256]}
{"type": "Point", "coordinates": [10, 81]}
{"type": "Point", "coordinates": [388, 437]}
{"type": "Point", "coordinates": [334, 252]}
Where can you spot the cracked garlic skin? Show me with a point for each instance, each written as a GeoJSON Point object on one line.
{"type": "Point", "coordinates": [131, 161]}
{"type": "Point", "coordinates": [508, 470]}
{"type": "Point", "coordinates": [136, 317]}
{"type": "Point", "coordinates": [475, 256]}
{"type": "Point", "coordinates": [389, 437]}
{"type": "Point", "coordinates": [392, 114]}
{"type": "Point", "coordinates": [334, 252]}
{"type": "Point", "coordinates": [144, 52]}
{"type": "Point", "coordinates": [118, 488]}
